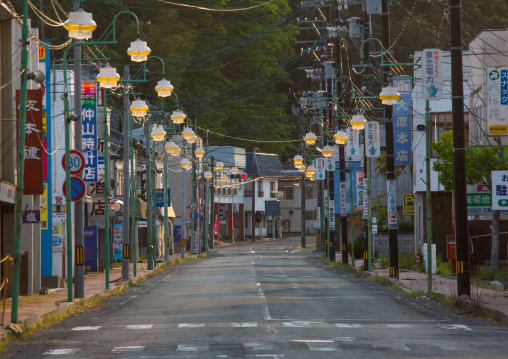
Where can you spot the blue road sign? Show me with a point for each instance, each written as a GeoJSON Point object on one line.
{"type": "Point", "coordinates": [78, 189]}
{"type": "Point", "coordinates": [159, 197]}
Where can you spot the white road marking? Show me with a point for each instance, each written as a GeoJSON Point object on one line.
{"type": "Point", "coordinates": [191, 325]}
{"type": "Point", "coordinates": [299, 324]}
{"type": "Point", "coordinates": [342, 325]}
{"type": "Point", "coordinates": [252, 251]}
{"type": "Point", "coordinates": [243, 325]}
{"type": "Point", "coordinates": [312, 341]}
{"type": "Point", "coordinates": [133, 296]}
{"type": "Point", "coordinates": [128, 349]}
{"type": "Point", "coordinates": [321, 346]}
{"type": "Point", "coordinates": [140, 326]}
{"type": "Point", "coordinates": [87, 328]}
{"type": "Point", "coordinates": [273, 356]}
{"type": "Point", "coordinates": [191, 348]}
{"type": "Point", "coordinates": [258, 346]}
{"type": "Point", "coordinates": [307, 276]}
{"type": "Point", "coordinates": [455, 327]}
{"type": "Point", "coordinates": [61, 351]}
{"type": "Point", "coordinates": [404, 347]}
{"type": "Point", "coordinates": [400, 326]}
{"type": "Point", "coordinates": [166, 277]}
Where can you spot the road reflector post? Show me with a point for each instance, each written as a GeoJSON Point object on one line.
{"type": "Point", "coordinates": [80, 255]}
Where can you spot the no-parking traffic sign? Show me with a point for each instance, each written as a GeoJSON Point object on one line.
{"type": "Point", "coordinates": [78, 189]}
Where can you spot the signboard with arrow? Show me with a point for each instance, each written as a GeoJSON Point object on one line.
{"type": "Point", "coordinates": [320, 169]}
{"type": "Point", "coordinates": [372, 139]}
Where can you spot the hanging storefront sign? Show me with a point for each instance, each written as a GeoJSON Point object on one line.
{"type": "Point", "coordinates": [497, 101]}
{"type": "Point", "coordinates": [89, 123]}
{"type": "Point", "coordinates": [353, 149]}
{"type": "Point", "coordinates": [359, 190]}
{"type": "Point", "coordinates": [391, 204]}
{"type": "Point", "coordinates": [372, 139]}
{"type": "Point", "coordinates": [34, 151]}
{"type": "Point", "coordinates": [402, 123]}
{"type": "Point", "coordinates": [432, 74]}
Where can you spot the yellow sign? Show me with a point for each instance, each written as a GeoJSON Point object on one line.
{"type": "Point", "coordinates": [498, 129]}
{"type": "Point", "coordinates": [44, 123]}
{"type": "Point", "coordinates": [409, 206]}
{"type": "Point", "coordinates": [42, 52]}
{"type": "Point", "coordinates": [57, 229]}
{"type": "Point", "coordinates": [44, 207]}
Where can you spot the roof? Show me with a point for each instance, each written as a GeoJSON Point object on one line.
{"type": "Point", "coordinates": [263, 165]}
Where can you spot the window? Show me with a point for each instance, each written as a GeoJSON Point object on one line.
{"type": "Point", "coordinates": [260, 189]}
{"type": "Point", "coordinates": [288, 193]}
{"type": "Point", "coordinates": [309, 215]}
{"type": "Point", "coordinates": [249, 189]}
{"type": "Point", "coordinates": [273, 192]}
{"type": "Point", "coordinates": [309, 193]}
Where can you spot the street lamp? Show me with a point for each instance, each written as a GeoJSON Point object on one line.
{"type": "Point", "coordinates": [108, 77]}
{"type": "Point", "coordinates": [207, 174]}
{"type": "Point", "coordinates": [80, 25]}
{"type": "Point", "coordinates": [185, 163]}
{"type": "Point", "coordinates": [340, 138]}
{"type": "Point", "coordinates": [358, 122]}
{"type": "Point", "coordinates": [389, 95]}
{"type": "Point", "coordinates": [178, 117]}
{"type": "Point", "coordinates": [187, 133]}
{"type": "Point", "coordinates": [327, 151]}
{"type": "Point", "coordinates": [223, 178]}
{"type": "Point", "coordinates": [219, 165]}
{"type": "Point", "coordinates": [164, 88]}
{"type": "Point", "coordinates": [158, 133]}
{"type": "Point", "coordinates": [138, 51]}
{"type": "Point", "coordinates": [170, 147]}
{"type": "Point", "coordinates": [234, 170]}
{"type": "Point", "coordinates": [193, 138]}
{"type": "Point", "coordinates": [310, 171]}
{"type": "Point", "coordinates": [298, 160]}
{"type": "Point", "coordinates": [139, 108]}
{"type": "Point", "coordinates": [177, 151]}
{"type": "Point", "coordinates": [310, 138]}
{"type": "Point", "coordinates": [199, 152]}
{"type": "Point", "coordinates": [301, 168]}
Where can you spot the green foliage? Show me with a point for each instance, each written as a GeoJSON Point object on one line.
{"type": "Point", "coordinates": [480, 161]}
{"type": "Point", "coordinates": [383, 261]}
{"type": "Point", "coordinates": [381, 213]}
{"type": "Point", "coordinates": [407, 261]}
{"type": "Point", "coordinates": [358, 247]}
{"type": "Point", "coordinates": [405, 227]}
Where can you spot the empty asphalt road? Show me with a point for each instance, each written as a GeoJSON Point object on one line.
{"type": "Point", "coordinates": [265, 300]}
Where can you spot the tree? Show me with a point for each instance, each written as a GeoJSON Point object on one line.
{"type": "Point", "coordinates": [480, 161]}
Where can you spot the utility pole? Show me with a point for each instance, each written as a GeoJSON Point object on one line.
{"type": "Point", "coordinates": [253, 216]}
{"type": "Point", "coordinates": [459, 156]}
{"type": "Point", "coordinates": [194, 196]}
{"type": "Point", "coordinates": [343, 218]}
{"type": "Point", "coordinates": [79, 206]}
{"type": "Point", "coordinates": [302, 217]}
{"type": "Point", "coordinates": [212, 201]}
{"type": "Point", "coordinates": [390, 160]}
{"type": "Point", "coordinates": [184, 211]}
{"type": "Point", "coordinates": [125, 179]}
{"type": "Point", "coordinates": [149, 203]}
{"type": "Point", "coordinates": [330, 174]}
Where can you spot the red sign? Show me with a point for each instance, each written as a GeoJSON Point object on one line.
{"type": "Point", "coordinates": [78, 189]}
{"type": "Point", "coordinates": [34, 151]}
{"type": "Point", "coordinates": [77, 162]}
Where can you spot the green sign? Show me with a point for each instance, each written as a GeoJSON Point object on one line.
{"type": "Point", "coordinates": [479, 203]}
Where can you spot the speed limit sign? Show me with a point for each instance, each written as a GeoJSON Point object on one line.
{"type": "Point", "coordinates": [77, 162]}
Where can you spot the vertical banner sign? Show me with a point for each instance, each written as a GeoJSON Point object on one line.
{"type": "Point", "coordinates": [91, 247]}
{"type": "Point", "coordinates": [144, 183]}
{"type": "Point", "coordinates": [499, 190]}
{"type": "Point", "coordinates": [353, 145]}
{"type": "Point", "coordinates": [222, 213]}
{"type": "Point", "coordinates": [373, 144]}
{"type": "Point", "coordinates": [343, 200]}
{"type": "Point", "coordinates": [365, 204]}
{"type": "Point", "coordinates": [402, 123]}
{"type": "Point", "coordinates": [34, 151]}
{"type": "Point", "coordinates": [159, 197]}
{"type": "Point", "coordinates": [178, 234]}
{"type": "Point", "coordinates": [330, 163]}
{"type": "Point", "coordinates": [117, 241]}
{"type": "Point", "coordinates": [432, 74]}
{"type": "Point", "coordinates": [497, 101]}
{"type": "Point", "coordinates": [332, 215]}
{"type": "Point", "coordinates": [320, 169]}
{"type": "Point", "coordinates": [391, 204]}
{"type": "Point", "coordinates": [359, 191]}
{"type": "Point", "coordinates": [47, 197]}
{"type": "Point", "coordinates": [89, 122]}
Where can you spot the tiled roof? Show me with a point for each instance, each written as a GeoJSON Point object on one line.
{"type": "Point", "coordinates": [264, 165]}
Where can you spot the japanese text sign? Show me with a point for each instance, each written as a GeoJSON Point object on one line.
{"type": "Point", "coordinates": [432, 74]}
{"type": "Point", "coordinates": [353, 145]}
{"type": "Point", "coordinates": [499, 190]}
{"type": "Point", "coordinates": [89, 123]}
{"type": "Point", "coordinates": [497, 101]}
{"type": "Point", "coordinates": [391, 204]}
{"type": "Point", "coordinates": [34, 151]}
{"type": "Point", "coordinates": [479, 203]}
{"type": "Point", "coordinates": [402, 125]}
{"type": "Point", "coordinates": [372, 138]}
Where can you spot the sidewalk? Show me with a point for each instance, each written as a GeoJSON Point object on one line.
{"type": "Point", "coordinates": [34, 307]}
{"type": "Point", "coordinates": [491, 300]}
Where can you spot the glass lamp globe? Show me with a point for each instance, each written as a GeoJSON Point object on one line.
{"type": "Point", "coordinates": [158, 133]}
{"type": "Point", "coordinates": [80, 25]}
{"type": "Point", "coordinates": [187, 133]}
{"type": "Point", "coordinates": [358, 122]}
{"type": "Point", "coordinates": [139, 108]}
{"type": "Point", "coordinates": [199, 152]}
{"type": "Point", "coordinates": [164, 88]}
{"type": "Point", "coordinates": [219, 165]}
{"type": "Point", "coordinates": [310, 138]}
{"type": "Point", "coordinates": [207, 174]}
{"type": "Point", "coordinates": [340, 138]}
{"type": "Point", "coordinates": [327, 151]}
{"type": "Point", "coordinates": [138, 51]}
{"type": "Point", "coordinates": [170, 147]}
{"type": "Point", "coordinates": [298, 160]}
{"type": "Point", "coordinates": [185, 163]}
{"type": "Point", "coordinates": [177, 151]}
{"type": "Point", "coordinates": [310, 170]}
{"type": "Point", "coordinates": [223, 178]}
{"type": "Point", "coordinates": [178, 117]}
{"type": "Point", "coordinates": [108, 77]}
{"type": "Point", "coordinates": [389, 95]}
{"type": "Point", "coordinates": [301, 169]}
{"type": "Point", "coordinates": [192, 139]}
{"type": "Point", "coordinates": [234, 170]}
